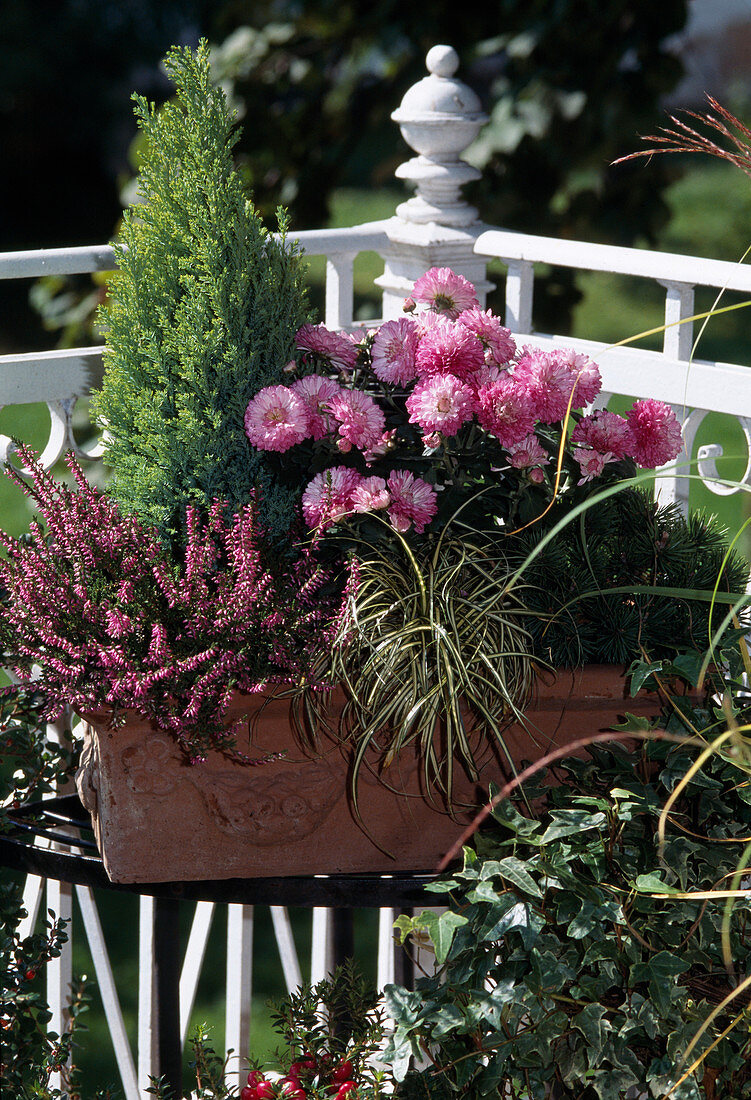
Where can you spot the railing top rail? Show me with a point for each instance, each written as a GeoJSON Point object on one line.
{"type": "Point", "coordinates": [666, 267]}
{"type": "Point", "coordinates": [80, 260]}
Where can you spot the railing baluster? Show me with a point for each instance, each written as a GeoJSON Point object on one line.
{"type": "Point", "coordinates": [677, 344]}
{"type": "Point", "coordinates": [32, 900]}
{"type": "Point", "coordinates": [322, 946]}
{"type": "Point", "coordinates": [239, 989]}
{"type": "Point", "coordinates": [386, 970]}
{"type": "Point", "coordinates": [520, 281]}
{"type": "Point", "coordinates": [108, 990]}
{"type": "Point", "coordinates": [194, 953]}
{"type": "Point", "coordinates": [286, 944]}
{"type": "Point", "coordinates": [60, 970]}
{"type": "Point", "coordinates": [148, 1038]}
{"type": "Point", "coordinates": [339, 289]}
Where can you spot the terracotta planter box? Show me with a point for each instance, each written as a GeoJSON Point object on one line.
{"type": "Point", "coordinates": [158, 819]}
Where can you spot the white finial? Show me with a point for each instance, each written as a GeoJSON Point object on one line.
{"type": "Point", "coordinates": [442, 61]}
{"type": "Point", "coordinates": [439, 117]}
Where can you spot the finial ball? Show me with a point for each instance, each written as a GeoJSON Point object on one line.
{"type": "Point", "coordinates": [442, 61]}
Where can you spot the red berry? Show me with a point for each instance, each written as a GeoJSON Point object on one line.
{"type": "Point", "coordinates": [249, 1093]}
{"type": "Point", "coordinates": [342, 1072]}
{"type": "Point", "coordinates": [264, 1090]}
{"type": "Point", "coordinates": [254, 1077]}
{"type": "Point", "coordinates": [347, 1091]}
{"type": "Point", "coordinates": [291, 1088]}
{"type": "Point", "coordinates": [30, 975]}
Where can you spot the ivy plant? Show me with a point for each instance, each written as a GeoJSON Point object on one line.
{"type": "Point", "coordinates": [579, 958]}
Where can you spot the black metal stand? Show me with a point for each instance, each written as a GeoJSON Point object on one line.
{"type": "Point", "coordinates": [65, 821]}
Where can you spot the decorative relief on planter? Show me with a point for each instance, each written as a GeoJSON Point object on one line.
{"type": "Point", "coordinates": [146, 766]}
{"type": "Point", "coordinates": [293, 804]}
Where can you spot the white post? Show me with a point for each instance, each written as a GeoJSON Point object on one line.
{"type": "Point", "coordinates": [148, 1038]}
{"type": "Point", "coordinates": [239, 990]}
{"type": "Point", "coordinates": [438, 117]}
{"type": "Point", "coordinates": [677, 344]}
{"type": "Point", "coordinates": [322, 945]}
{"type": "Point", "coordinates": [60, 970]}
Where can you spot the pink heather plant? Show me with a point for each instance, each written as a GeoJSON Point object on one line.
{"type": "Point", "coordinates": [443, 406]}
{"type": "Point", "coordinates": [113, 622]}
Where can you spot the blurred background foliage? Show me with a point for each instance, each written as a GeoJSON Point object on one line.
{"type": "Point", "coordinates": [568, 86]}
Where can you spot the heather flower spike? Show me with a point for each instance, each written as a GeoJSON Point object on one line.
{"type": "Point", "coordinates": [118, 623]}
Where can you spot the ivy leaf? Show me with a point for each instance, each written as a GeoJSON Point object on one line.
{"type": "Point", "coordinates": [633, 723]}
{"type": "Point", "coordinates": [659, 968]}
{"type": "Point", "coordinates": [652, 883]}
{"type": "Point", "coordinates": [593, 1025]}
{"type": "Point", "coordinates": [660, 971]}
{"type": "Point", "coordinates": [441, 929]}
{"type": "Point", "coordinates": [515, 872]}
{"type": "Point", "coordinates": [568, 822]}
{"type": "Point", "coordinates": [640, 672]}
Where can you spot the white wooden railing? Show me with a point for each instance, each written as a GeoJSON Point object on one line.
{"type": "Point", "coordinates": [439, 117]}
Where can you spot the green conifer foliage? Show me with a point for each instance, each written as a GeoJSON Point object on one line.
{"type": "Point", "coordinates": [201, 315]}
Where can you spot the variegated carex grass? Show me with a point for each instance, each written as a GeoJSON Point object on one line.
{"type": "Point", "coordinates": [433, 653]}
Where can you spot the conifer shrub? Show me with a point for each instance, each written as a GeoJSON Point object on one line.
{"type": "Point", "coordinates": [201, 315]}
{"type": "Point", "coordinates": [630, 575]}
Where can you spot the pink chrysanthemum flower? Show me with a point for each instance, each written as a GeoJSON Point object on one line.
{"type": "Point", "coordinates": [586, 374]}
{"type": "Point", "coordinates": [504, 410]}
{"type": "Point", "coordinates": [443, 291]}
{"type": "Point", "coordinates": [606, 432]}
{"type": "Point", "coordinates": [370, 495]}
{"type": "Point", "coordinates": [276, 419]}
{"type": "Point", "coordinates": [316, 391]}
{"type": "Point", "coordinates": [426, 320]}
{"type": "Point", "coordinates": [440, 403]}
{"type": "Point", "coordinates": [413, 501]}
{"type": "Point", "coordinates": [394, 349]}
{"type": "Point", "coordinates": [485, 376]}
{"type": "Point", "coordinates": [337, 348]}
{"type": "Point", "coordinates": [528, 452]}
{"type": "Point", "coordinates": [329, 496]}
{"type": "Point", "coordinates": [548, 379]}
{"type": "Point", "coordinates": [655, 431]}
{"type": "Point", "coordinates": [497, 340]}
{"type": "Point", "coordinates": [449, 348]}
{"type": "Point", "coordinates": [361, 420]}
{"type": "Point", "coordinates": [592, 463]}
